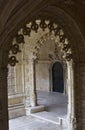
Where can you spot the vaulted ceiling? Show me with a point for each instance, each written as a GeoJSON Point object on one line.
{"type": "Point", "coordinates": [75, 8]}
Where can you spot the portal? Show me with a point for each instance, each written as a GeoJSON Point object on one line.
{"type": "Point", "coordinates": [57, 77]}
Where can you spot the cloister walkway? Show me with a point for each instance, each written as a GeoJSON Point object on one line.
{"type": "Point", "coordinates": [55, 106]}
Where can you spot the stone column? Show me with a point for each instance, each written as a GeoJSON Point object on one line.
{"type": "Point", "coordinates": [71, 103]}
{"type": "Point", "coordinates": [33, 95]}
{"type": "Point", "coordinates": [3, 99]}
{"type": "Point", "coordinates": [65, 79]}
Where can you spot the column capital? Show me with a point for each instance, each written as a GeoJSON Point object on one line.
{"type": "Point", "coordinates": [70, 63]}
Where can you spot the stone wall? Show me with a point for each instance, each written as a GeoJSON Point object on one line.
{"type": "Point", "coordinates": [42, 76]}
{"type": "Point", "coordinates": [16, 92]}
{"type": "Point", "coordinates": [11, 80]}
{"type": "Point", "coordinates": [82, 95]}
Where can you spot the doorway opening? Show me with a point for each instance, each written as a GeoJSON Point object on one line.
{"type": "Point", "coordinates": [43, 61]}
{"type": "Point", "coordinates": [57, 77]}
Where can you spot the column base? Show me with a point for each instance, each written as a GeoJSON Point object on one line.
{"type": "Point", "coordinates": [16, 111]}
{"type": "Point", "coordinates": [30, 110]}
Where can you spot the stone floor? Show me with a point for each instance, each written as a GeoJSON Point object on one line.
{"type": "Point", "coordinates": [54, 102]}
{"type": "Point", "coordinates": [32, 123]}
{"type": "Point", "coordinates": [56, 106]}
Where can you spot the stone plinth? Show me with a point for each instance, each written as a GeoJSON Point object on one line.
{"type": "Point", "coordinates": [35, 109]}
{"type": "Point", "coordinates": [16, 107]}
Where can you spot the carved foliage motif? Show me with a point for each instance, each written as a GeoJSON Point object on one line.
{"type": "Point", "coordinates": [35, 25]}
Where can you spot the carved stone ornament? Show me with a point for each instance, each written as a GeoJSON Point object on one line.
{"type": "Point", "coordinates": [15, 49]}
{"type": "Point", "coordinates": [12, 61]}
{"type": "Point", "coordinates": [26, 31]}
{"type": "Point", "coordinates": [57, 31]}
{"type": "Point", "coordinates": [43, 24]}
{"type": "Point", "coordinates": [34, 26]}
{"type": "Point", "coordinates": [20, 39]}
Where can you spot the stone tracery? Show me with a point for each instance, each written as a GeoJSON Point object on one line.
{"type": "Point", "coordinates": [58, 47]}
{"type": "Point", "coordinates": [35, 25]}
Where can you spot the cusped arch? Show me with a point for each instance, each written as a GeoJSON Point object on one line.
{"type": "Point", "coordinates": [60, 51]}
{"type": "Point", "coordinates": [53, 29]}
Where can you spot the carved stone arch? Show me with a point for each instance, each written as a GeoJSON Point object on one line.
{"type": "Point", "coordinates": [35, 25]}
{"type": "Point", "coordinates": [64, 20]}
{"type": "Point", "coordinates": [52, 12]}
{"type": "Point", "coordinates": [64, 44]}
{"type": "Point", "coordinates": [12, 22]}
{"type": "Point", "coordinates": [58, 47]}
{"type": "Point", "coordinates": [69, 26]}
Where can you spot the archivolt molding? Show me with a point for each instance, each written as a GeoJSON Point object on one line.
{"type": "Point", "coordinates": [54, 29]}
{"type": "Point", "coordinates": [59, 52]}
